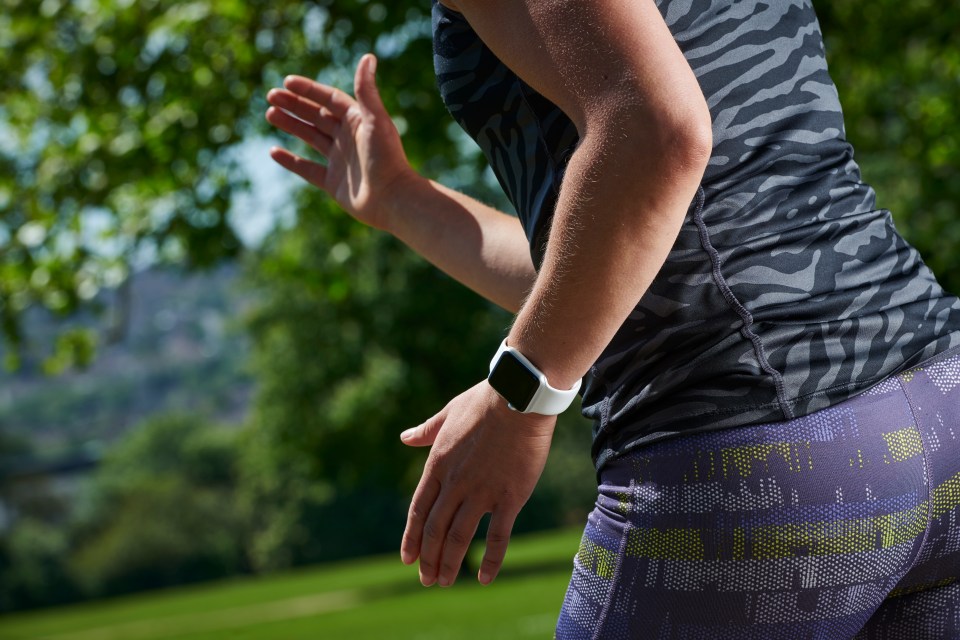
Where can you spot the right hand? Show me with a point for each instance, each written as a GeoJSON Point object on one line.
{"type": "Point", "coordinates": [365, 158]}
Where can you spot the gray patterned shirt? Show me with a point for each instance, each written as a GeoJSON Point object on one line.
{"type": "Point", "coordinates": [786, 291]}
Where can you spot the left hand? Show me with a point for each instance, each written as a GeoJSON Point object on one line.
{"type": "Point", "coordinates": [485, 458]}
{"type": "Point", "coordinates": [365, 161]}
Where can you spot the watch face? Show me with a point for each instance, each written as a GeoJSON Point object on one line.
{"type": "Point", "coordinates": [512, 380]}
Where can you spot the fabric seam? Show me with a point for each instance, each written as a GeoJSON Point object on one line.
{"type": "Point", "coordinates": [635, 444]}
{"type": "Point", "coordinates": [745, 316]}
{"type": "Point", "coordinates": [860, 386]}
{"type": "Point", "coordinates": [621, 553]}
{"type": "Point", "coordinates": [928, 472]}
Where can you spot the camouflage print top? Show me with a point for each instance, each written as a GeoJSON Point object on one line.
{"type": "Point", "coordinates": [786, 291]}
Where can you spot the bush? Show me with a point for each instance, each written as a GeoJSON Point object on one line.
{"type": "Point", "coordinates": [32, 566]}
{"type": "Point", "coordinates": [164, 510]}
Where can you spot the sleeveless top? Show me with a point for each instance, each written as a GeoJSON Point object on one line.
{"type": "Point", "coordinates": [786, 291]}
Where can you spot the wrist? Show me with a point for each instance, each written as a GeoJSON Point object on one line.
{"type": "Point", "coordinates": [554, 361]}
{"type": "Point", "coordinates": [524, 387]}
{"type": "Point", "coordinates": [396, 200]}
{"type": "Point", "coordinates": [507, 415]}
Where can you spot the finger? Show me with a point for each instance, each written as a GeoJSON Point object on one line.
{"type": "Point", "coordinates": [306, 110]}
{"type": "Point", "coordinates": [313, 172]}
{"type": "Point", "coordinates": [498, 537]}
{"type": "Point", "coordinates": [332, 98]}
{"type": "Point", "coordinates": [365, 87]}
{"type": "Point", "coordinates": [425, 434]}
{"type": "Point", "coordinates": [457, 542]}
{"type": "Point", "coordinates": [303, 130]}
{"type": "Point", "coordinates": [420, 505]}
{"type": "Point", "coordinates": [434, 536]}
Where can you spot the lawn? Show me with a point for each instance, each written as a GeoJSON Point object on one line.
{"type": "Point", "coordinates": [369, 598]}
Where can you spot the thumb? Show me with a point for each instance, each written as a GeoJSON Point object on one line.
{"type": "Point", "coordinates": [365, 87]}
{"type": "Point", "coordinates": [424, 434]}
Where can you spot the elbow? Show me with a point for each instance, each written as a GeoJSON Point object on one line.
{"type": "Point", "coordinates": [673, 138]}
{"type": "Point", "coordinates": [684, 134]}
{"type": "Point", "coordinates": [697, 138]}
{"type": "Point", "coordinates": [694, 140]}
{"type": "Point", "coordinates": [682, 122]}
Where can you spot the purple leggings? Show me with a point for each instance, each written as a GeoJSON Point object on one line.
{"type": "Point", "coordinates": [841, 524]}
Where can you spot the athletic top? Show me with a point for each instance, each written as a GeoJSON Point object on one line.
{"type": "Point", "coordinates": [786, 291]}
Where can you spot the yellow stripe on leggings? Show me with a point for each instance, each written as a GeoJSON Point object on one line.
{"type": "Point", "coordinates": [821, 538]}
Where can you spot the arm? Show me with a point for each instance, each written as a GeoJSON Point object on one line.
{"type": "Point", "coordinates": [615, 70]}
{"type": "Point", "coordinates": [482, 248]}
{"type": "Point", "coordinates": [367, 173]}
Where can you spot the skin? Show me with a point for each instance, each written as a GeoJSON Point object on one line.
{"type": "Point", "coordinates": [615, 70]}
{"type": "Point", "coordinates": [367, 173]}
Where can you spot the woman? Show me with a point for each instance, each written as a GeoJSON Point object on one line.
{"type": "Point", "coordinates": [772, 371]}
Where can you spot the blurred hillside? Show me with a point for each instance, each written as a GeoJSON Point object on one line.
{"type": "Point", "coordinates": [169, 342]}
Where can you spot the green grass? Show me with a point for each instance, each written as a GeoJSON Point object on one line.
{"type": "Point", "coordinates": [356, 600]}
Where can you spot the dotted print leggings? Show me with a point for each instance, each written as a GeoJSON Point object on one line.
{"type": "Point", "coordinates": [841, 524]}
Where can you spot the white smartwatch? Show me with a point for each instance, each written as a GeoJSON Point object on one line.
{"type": "Point", "coordinates": [524, 387]}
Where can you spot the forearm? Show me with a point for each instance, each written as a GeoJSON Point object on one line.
{"type": "Point", "coordinates": [616, 71]}
{"type": "Point", "coordinates": [620, 209]}
{"type": "Point", "coordinates": [482, 248]}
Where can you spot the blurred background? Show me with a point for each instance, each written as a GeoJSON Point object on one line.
{"type": "Point", "coordinates": [206, 366]}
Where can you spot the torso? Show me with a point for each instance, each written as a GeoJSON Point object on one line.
{"type": "Point", "coordinates": [786, 291]}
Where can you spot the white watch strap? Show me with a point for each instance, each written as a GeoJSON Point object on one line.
{"type": "Point", "coordinates": [548, 400]}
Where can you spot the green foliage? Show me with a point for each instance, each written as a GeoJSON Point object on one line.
{"type": "Point", "coordinates": [34, 550]}
{"type": "Point", "coordinates": [32, 568]}
{"type": "Point", "coordinates": [897, 67]}
{"type": "Point", "coordinates": [568, 487]}
{"type": "Point", "coordinates": [14, 446]}
{"type": "Point", "coordinates": [161, 533]}
{"type": "Point", "coordinates": [119, 128]}
{"type": "Point", "coordinates": [117, 115]}
{"type": "Point", "coordinates": [119, 123]}
{"type": "Point", "coordinates": [355, 339]}
{"type": "Point", "coordinates": [170, 445]}
{"type": "Point", "coordinates": [74, 348]}
{"type": "Point", "coordinates": [165, 510]}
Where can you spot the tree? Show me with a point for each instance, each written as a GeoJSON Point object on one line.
{"type": "Point", "coordinates": [164, 510]}
{"type": "Point", "coordinates": [120, 123]}
{"type": "Point", "coordinates": [119, 129]}
{"type": "Point", "coordinates": [355, 339]}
